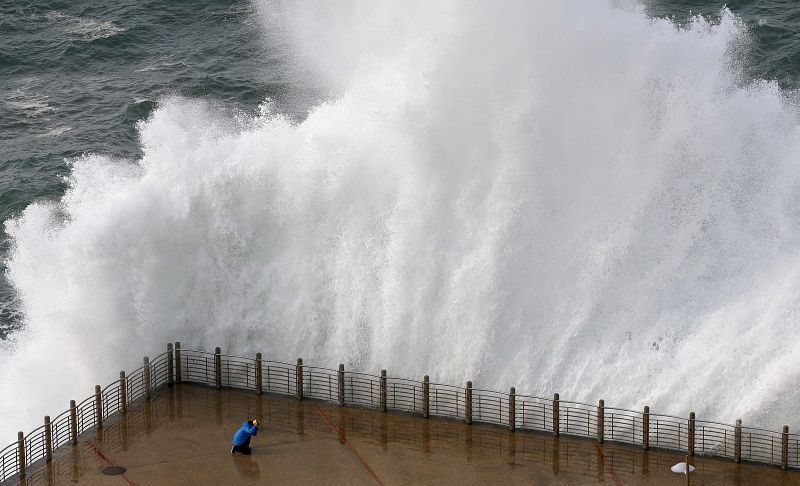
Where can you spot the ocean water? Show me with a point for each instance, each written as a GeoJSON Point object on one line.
{"type": "Point", "coordinates": [600, 199]}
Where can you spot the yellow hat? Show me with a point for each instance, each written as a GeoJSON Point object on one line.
{"type": "Point", "coordinates": [255, 422]}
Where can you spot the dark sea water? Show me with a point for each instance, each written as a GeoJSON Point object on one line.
{"type": "Point", "coordinates": [77, 76]}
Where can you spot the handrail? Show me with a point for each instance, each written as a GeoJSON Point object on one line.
{"type": "Point", "coordinates": [385, 392]}
{"type": "Point", "coordinates": [632, 411]}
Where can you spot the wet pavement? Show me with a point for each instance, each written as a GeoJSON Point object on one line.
{"type": "Point", "coordinates": [183, 436]}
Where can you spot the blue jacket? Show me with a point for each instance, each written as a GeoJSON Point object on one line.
{"type": "Point", "coordinates": [242, 435]}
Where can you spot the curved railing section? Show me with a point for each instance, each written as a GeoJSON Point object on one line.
{"type": "Point", "coordinates": [39, 445]}
{"type": "Point", "coordinates": [387, 393]}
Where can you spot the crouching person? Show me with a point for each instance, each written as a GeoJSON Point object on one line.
{"type": "Point", "coordinates": [241, 440]}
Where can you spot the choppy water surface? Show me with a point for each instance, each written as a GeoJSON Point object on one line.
{"type": "Point", "coordinates": [592, 198]}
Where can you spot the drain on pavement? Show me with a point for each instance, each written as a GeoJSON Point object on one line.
{"type": "Point", "coordinates": [114, 470]}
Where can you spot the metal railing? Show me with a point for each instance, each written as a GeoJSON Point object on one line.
{"type": "Point", "coordinates": [40, 444]}
{"type": "Point", "coordinates": [386, 393]}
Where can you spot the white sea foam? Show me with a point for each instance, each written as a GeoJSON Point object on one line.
{"type": "Point", "coordinates": [85, 28]}
{"type": "Point", "coordinates": [26, 99]}
{"type": "Point", "coordinates": [560, 196]}
{"type": "Point", "coordinates": [30, 107]}
{"type": "Point", "coordinates": [57, 131]}
{"type": "Point", "coordinates": [163, 63]}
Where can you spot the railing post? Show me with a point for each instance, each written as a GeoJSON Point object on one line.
{"type": "Point", "coordinates": [146, 366]}
{"type": "Point", "coordinates": [556, 431]}
{"type": "Point", "coordinates": [646, 428]}
{"type": "Point", "coordinates": [73, 423]}
{"type": "Point", "coordinates": [48, 439]}
{"type": "Point", "coordinates": [299, 372]}
{"type": "Point", "coordinates": [177, 362]}
{"type": "Point", "coordinates": [218, 368]}
{"type": "Point", "coordinates": [259, 378]}
{"type": "Point", "coordinates": [98, 407]}
{"type": "Point", "coordinates": [785, 448]}
{"type": "Point", "coordinates": [737, 441]}
{"type": "Point", "coordinates": [383, 391]}
{"type": "Point", "coordinates": [123, 393]}
{"type": "Point", "coordinates": [170, 365]}
{"type": "Point", "coordinates": [21, 454]}
{"type": "Point", "coordinates": [340, 379]}
{"type": "Point", "coordinates": [601, 421]}
{"type": "Point", "coordinates": [690, 448]}
{"type": "Point", "coordinates": [512, 409]}
{"type": "Point", "coordinates": [468, 403]}
{"type": "Point", "coordinates": [426, 395]}
{"type": "Point", "coordinates": [687, 474]}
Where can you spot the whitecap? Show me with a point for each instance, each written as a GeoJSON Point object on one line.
{"type": "Point", "coordinates": [25, 102]}
{"type": "Point", "coordinates": [56, 132]}
{"type": "Point", "coordinates": [85, 28]}
{"type": "Point", "coordinates": [165, 62]}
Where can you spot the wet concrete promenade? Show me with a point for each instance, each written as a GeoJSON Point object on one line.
{"type": "Point", "coordinates": [183, 436]}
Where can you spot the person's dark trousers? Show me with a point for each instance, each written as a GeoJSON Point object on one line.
{"type": "Point", "coordinates": [244, 448]}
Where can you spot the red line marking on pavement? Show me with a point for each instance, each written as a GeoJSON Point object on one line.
{"type": "Point", "coordinates": [343, 440]}
{"type": "Point", "coordinates": [610, 467]}
{"type": "Point", "coordinates": [104, 459]}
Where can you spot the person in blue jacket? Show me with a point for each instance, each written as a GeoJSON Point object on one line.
{"type": "Point", "coordinates": [241, 440]}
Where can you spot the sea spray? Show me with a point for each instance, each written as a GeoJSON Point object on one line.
{"type": "Point", "coordinates": [559, 196]}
